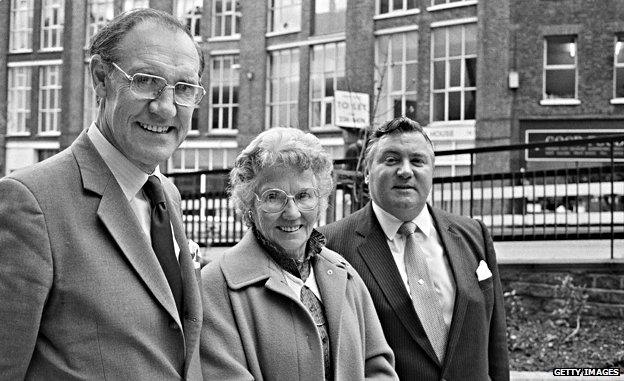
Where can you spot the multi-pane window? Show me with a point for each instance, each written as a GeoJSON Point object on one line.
{"type": "Point", "coordinates": [194, 159]}
{"type": "Point", "coordinates": [327, 74]}
{"type": "Point", "coordinates": [52, 21]}
{"type": "Point", "coordinates": [134, 4]}
{"type": "Point", "coordinates": [21, 25]}
{"type": "Point", "coordinates": [190, 13]}
{"type": "Point", "coordinates": [392, 6]}
{"type": "Point", "coordinates": [90, 106]}
{"type": "Point", "coordinates": [18, 100]}
{"type": "Point", "coordinates": [49, 99]}
{"type": "Point", "coordinates": [442, 2]}
{"type": "Point", "coordinates": [454, 73]}
{"type": "Point", "coordinates": [99, 13]}
{"type": "Point", "coordinates": [226, 16]}
{"type": "Point", "coordinates": [224, 92]}
{"type": "Point", "coordinates": [283, 88]}
{"type": "Point", "coordinates": [329, 16]}
{"type": "Point", "coordinates": [284, 15]}
{"type": "Point", "coordinates": [560, 60]}
{"type": "Point", "coordinates": [618, 67]}
{"type": "Point", "coordinates": [396, 65]}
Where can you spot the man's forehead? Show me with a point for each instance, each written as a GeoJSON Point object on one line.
{"type": "Point", "coordinates": [410, 138]}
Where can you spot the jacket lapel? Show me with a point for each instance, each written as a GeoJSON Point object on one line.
{"type": "Point", "coordinates": [117, 216]}
{"type": "Point", "coordinates": [374, 250]}
{"type": "Point", "coordinates": [456, 250]}
{"type": "Point", "coordinates": [332, 282]}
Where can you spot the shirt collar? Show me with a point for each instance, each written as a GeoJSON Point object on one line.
{"type": "Point", "coordinates": [390, 224]}
{"type": "Point", "coordinates": [130, 178]}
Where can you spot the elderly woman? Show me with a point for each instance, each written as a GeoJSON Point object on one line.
{"type": "Point", "coordinates": [279, 305]}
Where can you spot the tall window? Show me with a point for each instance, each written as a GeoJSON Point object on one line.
{"type": "Point", "coordinates": [18, 100]}
{"type": "Point", "coordinates": [396, 63]}
{"type": "Point", "coordinates": [195, 159]}
{"type": "Point", "coordinates": [21, 25]}
{"type": "Point", "coordinates": [226, 16]}
{"type": "Point", "coordinates": [224, 92]}
{"type": "Point", "coordinates": [52, 20]}
{"type": "Point", "coordinates": [560, 67]}
{"type": "Point", "coordinates": [283, 88]}
{"type": "Point", "coordinates": [134, 4]}
{"type": "Point", "coordinates": [99, 13]}
{"type": "Point", "coordinates": [618, 68]}
{"type": "Point", "coordinates": [49, 99]}
{"type": "Point", "coordinates": [327, 74]}
{"type": "Point", "coordinates": [329, 16]}
{"type": "Point", "coordinates": [454, 73]}
{"type": "Point", "coordinates": [190, 13]}
{"type": "Point", "coordinates": [90, 106]}
{"type": "Point", "coordinates": [284, 15]}
{"type": "Point", "coordinates": [392, 6]}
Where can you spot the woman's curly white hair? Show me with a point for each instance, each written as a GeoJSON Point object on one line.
{"type": "Point", "coordinates": [290, 148]}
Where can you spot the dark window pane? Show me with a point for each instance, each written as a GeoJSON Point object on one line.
{"type": "Point", "coordinates": [235, 94]}
{"type": "Point", "coordinates": [383, 6]}
{"type": "Point", "coordinates": [619, 82]}
{"type": "Point", "coordinates": [328, 113]}
{"type": "Point", "coordinates": [438, 75]}
{"type": "Point", "coordinates": [439, 42]}
{"type": "Point", "coordinates": [560, 50]}
{"type": "Point", "coordinates": [438, 106]}
{"type": "Point", "coordinates": [471, 72]}
{"type": "Point", "coordinates": [410, 109]}
{"type": "Point", "coordinates": [235, 118]}
{"type": "Point", "coordinates": [469, 104]}
{"type": "Point", "coordinates": [411, 4]}
{"type": "Point", "coordinates": [397, 107]}
{"type": "Point", "coordinates": [560, 83]}
{"type": "Point", "coordinates": [329, 87]}
{"type": "Point", "coordinates": [454, 112]}
{"type": "Point", "coordinates": [454, 73]}
{"type": "Point", "coordinates": [397, 4]}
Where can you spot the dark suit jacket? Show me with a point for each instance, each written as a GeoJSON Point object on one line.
{"type": "Point", "coordinates": [476, 346]}
{"type": "Point", "coordinates": [82, 295]}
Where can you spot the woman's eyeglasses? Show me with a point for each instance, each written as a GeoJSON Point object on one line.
{"type": "Point", "coordinates": [275, 200]}
{"type": "Point", "coordinates": [149, 86]}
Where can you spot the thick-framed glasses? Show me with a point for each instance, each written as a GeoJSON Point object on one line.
{"type": "Point", "coordinates": [275, 200]}
{"type": "Point", "coordinates": [149, 86]}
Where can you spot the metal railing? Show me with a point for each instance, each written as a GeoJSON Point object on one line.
{"type": "Point", "coordinates": [579, 201]}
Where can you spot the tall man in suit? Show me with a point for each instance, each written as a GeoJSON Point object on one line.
{"type": "Point", "coordinates": [97, 281]}
{"type": "Point", "coordinates": [432, 275]}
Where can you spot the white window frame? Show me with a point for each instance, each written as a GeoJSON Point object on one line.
{"type": "Point", "coordinates": [49, 114]}
{"type": "Point", "coordinates": [545, 101]}
{"type": "Point", "coordinates": [190, 12]}
{"type": "Point", "coordinates": [446, 4]}
{"type": "Point", "coordinates": [102, 12]}
{"type": "Point", "coordinates": [277, 17]}
{"type": "Point", "coordinates": [384, 73]}
{"type": "Point", "coordinates": [226, 77]}
{"type": "Point", "coordinates": [135, 4]}
{"type": "Point", "coordinates": [21, 26]}
{"type": "Point", "coordinates": [336, 13]}
{"type": "Point", "coordinates": [90, 106]}
{"type": "Point", "coordinates": [53, 32]}
{"type": "Point", "coordinates": [280, 78]}
{"type": "Point", "coordinates": [404, 10]}
{"type": "Point", "coordinates": [323, 74]}
{"type": "Point", "coordinates": [18, 100]}
{"type": "Point", "coordinates": [619, 47]}
{"type": "Point", "coordinates": [447, 89]}
{"type": "Point", "coordinates": [228, 148]}
{"type": "Point", "coordinates": [233, 12]}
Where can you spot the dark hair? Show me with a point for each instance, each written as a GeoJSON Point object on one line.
{"type": "Point", "coordinates": [398, 125]}
{"type": "Point", "coordinates": [106, 41]}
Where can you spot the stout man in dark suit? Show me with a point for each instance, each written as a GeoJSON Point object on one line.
{"type": "Point", "coordinates": [432, 275]}
{"type": "Point", "coordinates": [96, 278]}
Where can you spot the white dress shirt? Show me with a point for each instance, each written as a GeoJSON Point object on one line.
{"type": "Point", "coordinates": [296, 284]}
{"type": "Point", "coordinates": [429, 241]}
{"type": "Point", "coordinates": [130, 178]}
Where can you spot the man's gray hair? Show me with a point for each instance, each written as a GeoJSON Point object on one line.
{"type": "Point", "coordinates": [290, 148]}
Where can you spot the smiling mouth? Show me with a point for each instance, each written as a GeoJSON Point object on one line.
{"type": "Point", "coordinates": [154, 128]}
{"type": "Point", "coordinates": [403, 187]}
{"type": "Point", "coordinates": [290, 229]}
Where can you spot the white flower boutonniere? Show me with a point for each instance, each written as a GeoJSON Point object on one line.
{"type": "Point", "coordinates": [195, 253]}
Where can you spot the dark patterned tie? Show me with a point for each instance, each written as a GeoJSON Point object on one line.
{"type": "Point", "coordinates": [162, 239]}
{"type": "Point", "coordinates": [424, 297]}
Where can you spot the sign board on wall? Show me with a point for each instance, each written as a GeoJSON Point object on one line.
{"type": "Point", "coordinates": [351, 109]}
{"type": "Point", "coordinates": [600, 151]}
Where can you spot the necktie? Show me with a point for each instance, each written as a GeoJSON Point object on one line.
{"type": "Point", "coordinates": [162, 239]}
{"type": "Point", "coordinates": [424, 297]}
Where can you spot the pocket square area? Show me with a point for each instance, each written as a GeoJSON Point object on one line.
{"type": "Point", "coordinates": [483, 272]}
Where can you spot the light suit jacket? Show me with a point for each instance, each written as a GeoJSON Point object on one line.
{"type": "Point", "coordinates": [256, 328]}
{"type": "Point", "coordinates": [476, 346]}
{"type": "Point", "coordinates": [82, 295]}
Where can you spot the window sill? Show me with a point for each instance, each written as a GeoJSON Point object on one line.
{"type": "Point", "coordinates": [458, 4]}
{"type": "Point", "coordinates": [17, 134]}
{"type": "Point", "coordinates": [193, 133]}
{"type": "Point", "coordinates": [49, 134]}
{"type": "Point", "coordinates": [396, 14]}
{"type": "Point", "coordinates": [223, 132]}
{"type": "Point", "coordinates": [322, 129]}
{"type": "Point", "coordinates": [20, 51]}
{"type": "Point", "coordinates": [56, 49]}
{"type": "Point", "coordinates": [617, 101]}
{"type": "Point", "coordinates": [282, 32]}
{"type": "Point", "coordinates": [560, 102]}
{"type": "Point", "coordinates": [235, 37]}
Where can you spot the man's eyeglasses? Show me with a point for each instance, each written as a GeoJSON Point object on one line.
{"type": "Point", "coordinates": [149, 86]}
{"type": "Point", "coordinates": [275, 200]}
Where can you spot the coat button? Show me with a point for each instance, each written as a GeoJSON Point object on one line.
{"type": "Point", "coordinates": [330, 272]}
